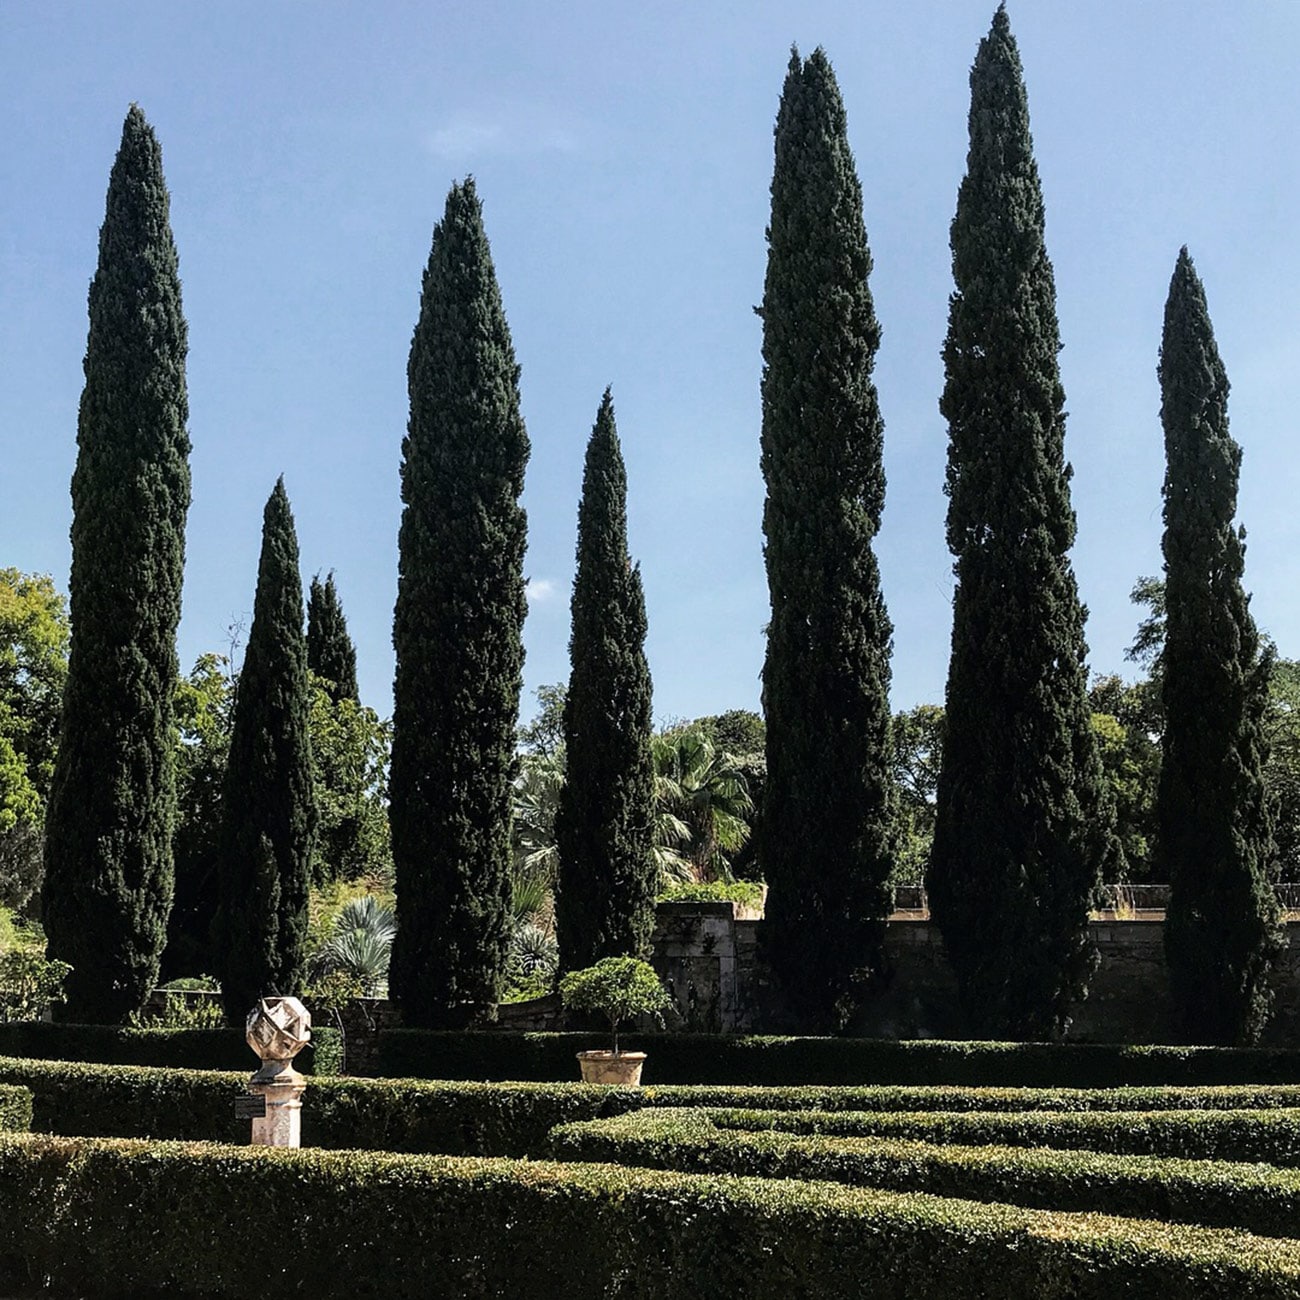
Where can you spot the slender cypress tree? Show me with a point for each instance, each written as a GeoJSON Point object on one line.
{"type": "Point", "coordinates": [828, 808]}
{"type": "Point", "coordinates": [1222, 928]}
{"type": "Point", "coordinates": [330, 652]}
{"type": "Point", "coordinates": [605, 900]}
{"type": "Point", "coordinates": [112, 807]}
{"type": "Point", "coordinates": [457, 632]}
{"type": "Point", "coordinates": [268, 816]}
{"type": "Point", "coordinates": [1023, 829]}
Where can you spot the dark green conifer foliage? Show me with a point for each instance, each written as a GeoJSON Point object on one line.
{"type": "Point", "coordinates": [1023, 830]}
{"type": "Point", "coordinates": [330, 652]}
{"type": "Point", "coordinates": [108, 875]}
{"type": "Point", "coordinates": [828, 807]}
{"type": "Point", "coordinates": [605, 900]}
{"type": "Point", "coordinates": [1222, 928]}
{"type": "Point", "coordinates": [268, 815]}
{"type": "Point", "coordinates": [457, 632]}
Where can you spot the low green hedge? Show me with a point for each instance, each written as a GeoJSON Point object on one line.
{"type": "Point", "coordinates": [114, 1218]}
{"type": "Point", "coordinates": [730, 1059]}
{"type": "Point", "coordinates": [1270, 1135]}
{"type": "Point", "coordinates": [77, 1099]}
{"type": "Point", "coordinates": [459, 1118]}
{"type": "Point", "coordinates": [1254, 1197]}
{"type": "Point", "coordinates": [15, 1108]}
{"type": "Point", "coordinates": [183, 1049]}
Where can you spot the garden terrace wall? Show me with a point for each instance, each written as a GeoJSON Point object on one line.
{"type": "Point", "coordinates": [416, 1226]}
{"type": "Point", "coordinates": [1253, 1197]}
{"type": "Point", "coordinates": [772, 1061]}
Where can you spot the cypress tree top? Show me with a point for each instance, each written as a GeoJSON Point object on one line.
{"type": "Point", "coordinates": [1022, 829]}
{"type": "Point", "coordinates": [109, 825]}
{"type": "Point", "coordinates": [605, 900]}
{"type": "Point", "coordinates": [1222, 930]}
{"type": "Point", "coordinates": [330, 652]}
{"type": "Point", "coordinates": [826, 844]}
{"type": "Point", "coordinates": [457, 632]}
{"type": "Point", "coordinates": [268, 814]}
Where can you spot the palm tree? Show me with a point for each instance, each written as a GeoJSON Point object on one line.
{"type": "Point", "coordinates": [701, 789]}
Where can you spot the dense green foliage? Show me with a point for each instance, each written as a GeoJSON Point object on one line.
{"type": "Point", "coordinates": [268, 813]}
{"type": "Point", "coordinates": [1215, 842]}
{"type": "Point", "coordinates": [616, 989]}
{"type": "Point", "coordinates": [330, 652]}
{"type": "Point", "coordinates": [459, 1118]}
{"type": "Point", "coordinates": [735, 1059]}
{"type": "Point", "coordinates": [176, 1049]}
{"type": "Point", "coordinates": [108, 858]}
{"type": "Point", "coordinates": [33, 669]}
{"type": "Point", "coordinates": [15, 1109]}
{"type": "Point", "coordinates": [1023, 831]}
{"type": "Point", "coordinates": [349, 753]}
{"type": "Point", "coordinates": [456, 629]}
{"type": "Point", "coordinates": [421, 1226]}
{"type": "Point", "coordinates": [1252, 1197]}
{"type": "Point", "coordinates": [204, 713]}
{"type": "Point", "coordinates": [605, 895]}
{"type": "Point", "coordinates": [1268, 1136]}
{"type": "Point", "coordinates": [827, 846]}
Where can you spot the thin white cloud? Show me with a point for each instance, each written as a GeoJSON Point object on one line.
{"type": "Point", "coordinates": [539, 590]}
{"type": "Point", "coordinates": [506, 130]}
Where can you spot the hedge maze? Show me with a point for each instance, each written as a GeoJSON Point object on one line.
{"type": "Point", "coordinates": [409, 1188]}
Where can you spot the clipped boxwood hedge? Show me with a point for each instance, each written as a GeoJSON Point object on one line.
{"type": "Point", "coordinates": [92, 1217]}
{"type": "Point", "coordinates": [1255, 1197]}
{"type": "Point", "coordinates": [15, 1108]}
{"type": "Point", "coordinates": [461, 1118]}
{"type": "Point", "coordinates": [776, 1062]}
{"type": "Point", "coordinates": [184, 1049]}
{"type": "Point", "coordinates": [1239, 1135]}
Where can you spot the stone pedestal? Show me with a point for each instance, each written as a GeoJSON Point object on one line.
{"type": "Point", "coordinates": [278, 1029]}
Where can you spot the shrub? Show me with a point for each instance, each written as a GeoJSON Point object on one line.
{"type": "Point", "coordinates": [777, 1062]}
{"type": "Point", "coordinates": [749, 892]}
{"type": "Point", "coordinates": [1272, 1136]}
{"type": "Point", "coordinates": [459, 1118]}
{"type": "Point", "coordinates": [618, 988]}
{"type": "Point", "coordinates": [29, 985]}
{"type": "Point", "coordinates": [417, 1226]}
{"type": "Point", "coordinates": [1255, 1197]}
{"type": "Point", "coordinates": [15, 1109]}
{"type": "Point", "coordinates": [189, 1049]}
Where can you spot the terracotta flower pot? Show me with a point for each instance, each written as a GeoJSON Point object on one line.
{"type": "Point", "coordinates": [612, 1067]}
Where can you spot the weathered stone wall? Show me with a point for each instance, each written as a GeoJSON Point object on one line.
{"type": "Point", "coordinates": [707, 953]}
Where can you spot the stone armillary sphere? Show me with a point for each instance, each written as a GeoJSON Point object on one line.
{"type": "Point", "coordinates": [277, 1030]}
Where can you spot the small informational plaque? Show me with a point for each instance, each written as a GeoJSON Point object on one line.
{"type": "Point", "coordinates": [250, 1106]}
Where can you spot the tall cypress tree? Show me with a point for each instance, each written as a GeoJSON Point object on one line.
{"type": "Point", "coordinates": [268, 816]}
{"type": "Point", "coordinates": [108, 873]}
{"type": "Point", "coordinates": [1222, 928]}
{"type": "Point", "coordinates": [1023, 830]}
{"type": "Point", "coordinates": [605, 900]}
{"type": "Point", "coordinates": [828, 807]}
{"type": "Point", "coordinates": [330, 652]}
{"type": "Point", "coordinates": [457, 632]}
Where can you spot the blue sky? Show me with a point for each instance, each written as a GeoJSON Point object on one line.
{"type": "Point", "coordinates": [623, 155]}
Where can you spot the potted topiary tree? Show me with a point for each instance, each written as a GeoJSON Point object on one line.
{"type": "Point", "coordinates": [618, 988]}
